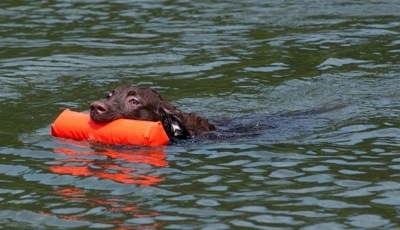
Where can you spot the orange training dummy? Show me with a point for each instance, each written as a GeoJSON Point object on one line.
{"type": "Point", "coordinates": [79, 126]}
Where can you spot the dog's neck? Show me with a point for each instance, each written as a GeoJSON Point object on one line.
{"type": "Point", "coordinates": [195, 124]}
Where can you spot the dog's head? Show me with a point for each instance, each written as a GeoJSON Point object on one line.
{"type": "Point", "coordinates": [138, 103]}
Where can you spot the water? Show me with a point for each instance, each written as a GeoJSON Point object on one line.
{"type": "Point", "coordinates": [336, 169]}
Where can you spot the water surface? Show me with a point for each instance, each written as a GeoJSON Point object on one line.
{"type": "Point", "coordinates": [336, 168]}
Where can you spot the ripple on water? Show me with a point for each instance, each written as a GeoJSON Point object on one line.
{"type": "Point", "coordinates": [284, 173]}
{"type": "Point", "coordinates": [33, 219]}
{"type": "Point", "coordinates": [275, 219]}
{"type": "Point", "coordinates": [367, 221]}
{"type": "Point", "coordinates": [372, 189]}
{"type": "Point", "coordinates": [389, 198]}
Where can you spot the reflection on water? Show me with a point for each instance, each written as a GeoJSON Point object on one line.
{"type": "Point", "coordinates": [87, 164]}
{"type": "Point", "coordinates": [336, 167]}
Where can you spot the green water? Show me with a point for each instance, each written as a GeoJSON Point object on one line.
{"type": "Point", "coordinates": [336, 169]}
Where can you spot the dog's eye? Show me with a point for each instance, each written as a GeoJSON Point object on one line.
{"type": "Point", "coordinates": [134, 102]}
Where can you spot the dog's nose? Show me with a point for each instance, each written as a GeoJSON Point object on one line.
{"type": "Point", "coordinates": [98, 107]}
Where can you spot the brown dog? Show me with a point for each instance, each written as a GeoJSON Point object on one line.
{"type": "Point", "coordinates": [133, 102]}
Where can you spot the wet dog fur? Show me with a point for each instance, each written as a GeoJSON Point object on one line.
{"type": "Point", "coordinates": [140, 103]}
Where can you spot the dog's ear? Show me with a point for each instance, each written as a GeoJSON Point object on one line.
{"type": "Point", "coordinates": [173, 123]}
